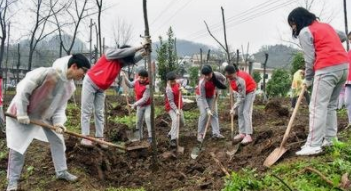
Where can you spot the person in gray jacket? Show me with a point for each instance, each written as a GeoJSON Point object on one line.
{"type": "Point", "coordinates": [205, 92]}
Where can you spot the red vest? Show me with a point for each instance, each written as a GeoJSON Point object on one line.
{"type": "Point", "coordinates": [209, 89]}
{"type": "Point", "coordinates": [139, 90]}
{"type": "Point", "coordinates": [249, 82]}
{"type": "Point", "coordinates": [104, 72]}
{"type": "Point", "coordinates": [176, 94]}
{"type": "Point", "coordinates": [328, 48]}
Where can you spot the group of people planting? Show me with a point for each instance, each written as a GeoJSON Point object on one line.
{"type": "Point", "coordinates": [44, 92]}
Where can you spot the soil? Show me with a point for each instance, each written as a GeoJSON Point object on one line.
{"type": "Point", "coordinates": [99, 169]}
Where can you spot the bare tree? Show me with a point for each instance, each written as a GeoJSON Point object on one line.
{"type": "Point", "coordinates": [4, 20]}
{"type": "Point", "coordinates": [122, 32]}
{"type": "Point", "coordinates": [76, 16]}
{"type": "Point", "coordinates": [42, 14]}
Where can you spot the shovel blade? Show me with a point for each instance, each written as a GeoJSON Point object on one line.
{"type": "Point", "coordinates": [234, 150]}
{"type": "Point", "coordinates": [195, 152]}
{"type": "Point", "coordinates": [274, 156]}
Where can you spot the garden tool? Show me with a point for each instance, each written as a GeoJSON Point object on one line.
{"type": "Point", "coordinates": [180, 149]}
{"type": "Point", "coordinates": [39, 123]}
{"type": "Point", "coordinates": [196, 150]}
{"type": "Point", "coordinates": [278, 152]}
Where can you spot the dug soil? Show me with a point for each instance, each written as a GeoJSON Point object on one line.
{"type": "Point", "coordinates": [100, 169]}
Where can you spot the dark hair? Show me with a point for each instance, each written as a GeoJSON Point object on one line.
{"type": "Point", "coordinates": [143, 73]}
{"type": "Point", "coordinates": [130, 58]}
{"type": "Point", "coordinates": [171, 75]}
{"type": "Point", "coordinates": [206, 69]}
{"type": "Point", "coordinates": [80, 60]}
{"type": "Point", "coordinates": [301, 17]}
{"type": "Point", "coordinates": [230, 69]}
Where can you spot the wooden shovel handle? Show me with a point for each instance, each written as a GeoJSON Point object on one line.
{"type": "Point", "coordinates": [292, 118]}
{"type": "Point", "coordinates": [178, 116]}
{"type": "Point", "coordinates": [209, 117]}
{"type": "Point", "coordinates": [35, 122]}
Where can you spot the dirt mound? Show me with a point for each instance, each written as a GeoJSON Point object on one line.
{"type": "Point", "coordinates": [189, 106]}
{"type": "Point", "coordinates": [275, 106]}
{"type": "Point", "coordinates": [118, 132]}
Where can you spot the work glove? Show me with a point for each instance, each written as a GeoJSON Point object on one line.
{"type": "Point", "coordinates": [183, 90]}
{"type": "Point", "coordinates": [122, 74]}
{"type": "Point", "coordinates": [177, 112]}
{"type": "Point", "coordinates": [59, 128]}
{"type": "Point", "coordinates": [132, 106]}
{"type": "Point", "coordinates": [209, 112]}
{"type": "Point", "coordinates": [307, 83]}
{"type": "Point", "coordinates": [232, 112]}
{"type": "Point", "coordinates": [146, 42]}
{"type": "Point", "coordinates": [23, 119]}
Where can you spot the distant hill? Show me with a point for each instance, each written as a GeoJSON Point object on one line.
{"type": "Point", "coordinates": [279, 56]}
{"type": "Point", "coordinates": [186, 48]}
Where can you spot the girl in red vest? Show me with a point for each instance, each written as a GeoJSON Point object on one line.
{"type": "Point", "coordinates": [243, 87]}
{"type": "Point", "coordinates": [348, 88]}
{"type": "Point", "coordinates": [173, 96]}
{"type": "Point", "coordinates": [327, 65]}
{"type": "Point", "coordinates": [142, 104]}
{"type": "Point", "coordinates": [98, 79]}
{"type": "Point", "coordinates": [205, 94]}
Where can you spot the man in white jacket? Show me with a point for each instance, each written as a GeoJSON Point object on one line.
{"type": "Point", "coordinates": [42, 95]}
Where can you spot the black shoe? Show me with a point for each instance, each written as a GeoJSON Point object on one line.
{"type": "Point", "coordinates": [173, 143]}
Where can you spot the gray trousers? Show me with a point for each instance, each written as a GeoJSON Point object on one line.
{"type": "Point", "coordinates": [93, 98]}
{"type": "Point", "coordinates": [143, 114]}
{"type": "Point", "coordinates": [203, 117]}
{"type": "Point", "coordinates": [174, 130]}
{"type": "Point", "coordinates": [245, 114]}
{"type": "Point", "coordinates": [324, 100]}
{"type": "Point", "coordinates": [348, 101]}
{"type": "Point", "coordinates": [57, 148]}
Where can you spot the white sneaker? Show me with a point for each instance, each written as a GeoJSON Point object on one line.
{"type": "Point", "coordinates": [239, 137]}
{"type": "Point", "coordinates": [65, 175]}
{"type": "Point", "coordinates": [86, 143]}
{"type": "Point", "coordinates": [247, 139]}
{"type": "Point", "coordinates": [328, 143]}
{"type": "Point", "coordinates": [308, 150]}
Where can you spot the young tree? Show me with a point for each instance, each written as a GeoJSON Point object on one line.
{"type": "Point", "coordinates": [194, 75]}
{"type": "Point", "coordinates": [166, 57]}
{"type": "Point", "coordinates": [257, 76]}
{"type": "Point", "coordinates": [279, 84]}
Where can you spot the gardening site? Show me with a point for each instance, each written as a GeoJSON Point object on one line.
{"type": "Point", "coordinates": [214, 169]}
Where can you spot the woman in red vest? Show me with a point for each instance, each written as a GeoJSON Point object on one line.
{"type": "Point", "coordinates": [98, 79]}
{"type": "Point", "coordinates": [243, 87]}
{"type": "Point", "coordinates": [173, 96]}
{"type": "Point", "coordinates": [142, 103]}
{"type": "Point", "coordinates": [327, 65]}
{"type": "Point", "coordinates": [205, 94]}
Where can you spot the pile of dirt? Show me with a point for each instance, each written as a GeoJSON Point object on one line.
{"type": "Point", "coordinates": [275, 106]}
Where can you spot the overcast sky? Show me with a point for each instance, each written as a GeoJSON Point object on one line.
{"type": "Point", "coordinates": [257, 22]}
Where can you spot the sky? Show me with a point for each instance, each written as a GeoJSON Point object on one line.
{"type": "Point", "coordinates": [250, 23]}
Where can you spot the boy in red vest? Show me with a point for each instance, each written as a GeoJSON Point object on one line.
{"type": "Point", "coordinates": [243, 86]}
{"type": "Point", "coordinates": [98, 79]}
{"type": "Point", "coordinates": [173, 96]}
{"type": "Point", "coordinates": [142, 104]}
{"type": "Point", "coordinates": [327, 65]}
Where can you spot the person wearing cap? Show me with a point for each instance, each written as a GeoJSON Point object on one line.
{"type": "Point", "coordinates": [205, 92]}
{"type": "Point", "coordinates": [99, 78]}
{"type": "Point", "coordinates": [173, 96]}
{"type": "Point", "coordinates": [327, 67]}
{"type": "Point", "coordinates": [142, 103]}
{"type": "Point", "coordinates": [243, 87]}
{"type": "Point", "coordinates": [42, 95]}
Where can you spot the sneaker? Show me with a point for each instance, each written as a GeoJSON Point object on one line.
{"type": "Point", "coordinates": [246, 140]}
{"type": "Point", "coordinates": [103, 146]}
{"type": "Point", "coordinates": [65, 175]}
{"type": "Point", "coordinates": [13, 185]}
{"type": "Point", "coordinates": [200, 137]}
{"type": "Point", "coordinates": [328, 143]}
{"type": "Point", "coordinates": [218, 136]}
{"type": "Point", "coordinates": [173, 143]}
{"type": "Point", "coordinates": [86, 143]}
{"type": "Point", "coordinates": [239, 137]}
{"type": "Point", "coordinates": [308, 150]}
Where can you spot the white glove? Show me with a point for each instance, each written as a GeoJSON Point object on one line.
{"type": "Point", "coordinates": [59, 128]}
{"type": "Point", "coordinates": [23, 119]}
{"type": "Point", "coordinates": [177, 112]}
{"type": "Point", "coordinates": [122, 74]}
{"type": "Point", "coordinates": [209, 112]}
{"type": "Point", "coordinates": [146, 42]}
{"type": "Point", "coordinates": [232, 112]}
{"type": "Point", "coordinates": [132, 106]}
{"type": "Point", "coordinates": [307, 83]}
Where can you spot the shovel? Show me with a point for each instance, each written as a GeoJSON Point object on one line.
{"type": "Point", "coordinates": [35, 122]}
{"type": "Point", "coordinates": [196, 150]}
{"type": "Point", "coordinates": [237, 146]}
{"type": "Point", "coordinates": [278, 152]}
